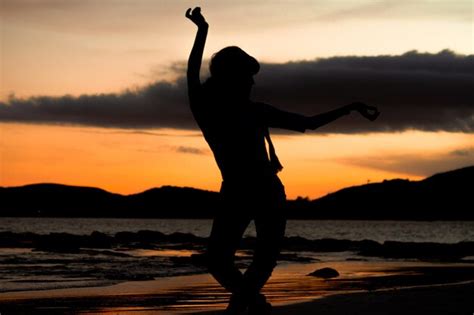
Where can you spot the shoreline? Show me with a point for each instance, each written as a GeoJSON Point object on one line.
{"type": "Point", "coordinates": [454, 298]}
{"type": "Point", "coordinates": [289, 290]}
{"type": "Point", "coordinates": [450, 298]}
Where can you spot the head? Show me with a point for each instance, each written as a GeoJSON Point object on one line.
{"type": "Point", "coordinates": [234, 69]}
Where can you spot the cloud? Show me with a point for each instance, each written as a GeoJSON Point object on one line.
{"type": "Point", "coordinates": [464, 152]}
{"type": "Point", "coordinates": [401, 9]}
{"type": "Point", "coordinates": [430, 92]}
{"type": "Point", "coordinates": [421, 91]}
{"type": "Point", "coordinates": [144, 132]}
{"type": "Point", "coordinates": [416, 164]}
{"type": "Point", "coordinates": [122, 17]}
{"type": "Point", "coordinates": [191, 150]}
{"type": "Point", "coordinates": [158, 105]}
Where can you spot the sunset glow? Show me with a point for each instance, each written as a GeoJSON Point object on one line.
{"type": "Point", "coordinates": [94, 47]}
{"type": "Point", "coordinates": [129, 161]}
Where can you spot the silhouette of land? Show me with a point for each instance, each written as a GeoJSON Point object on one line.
{"type": "Point", "coordinates": [444, 196]}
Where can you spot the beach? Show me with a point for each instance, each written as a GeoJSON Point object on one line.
{"type": "Point", "coordinates": [155, 154]}
{"type": "Point", "coordinates": [121, 266]}
{"type": "Point", "coordinates": [362, 288]}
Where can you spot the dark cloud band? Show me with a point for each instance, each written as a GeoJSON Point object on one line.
{"type": "Point", "coordinates": [413, 91]}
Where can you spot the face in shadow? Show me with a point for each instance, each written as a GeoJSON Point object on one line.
{"type": "Point", "coordinates": [234, 69]}
{"type": "Point", "coordinates": [240, 87]}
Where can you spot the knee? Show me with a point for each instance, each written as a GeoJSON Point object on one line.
{"type": "Point", "coordinates": [260, 272]}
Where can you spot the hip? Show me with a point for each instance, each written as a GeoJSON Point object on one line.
{"type": "Point", "coordinates": [267, 190]}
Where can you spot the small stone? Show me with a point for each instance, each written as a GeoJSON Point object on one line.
{"type": "Point", "coordinates": [325, 273]}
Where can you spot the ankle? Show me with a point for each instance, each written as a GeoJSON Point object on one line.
{"type": "Point", "coordinates": [238, 304]}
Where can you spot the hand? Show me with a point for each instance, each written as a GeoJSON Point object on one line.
{"type": "Point", "coordinates": [196, 16]}
{"type": "Point", "coordinates": [369, 112]}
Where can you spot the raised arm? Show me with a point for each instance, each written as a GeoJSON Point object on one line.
{"type": "Point", "coordinates": [195, 58]}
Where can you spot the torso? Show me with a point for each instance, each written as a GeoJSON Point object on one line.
{"type": "Point", "coordinates": [235, 133]}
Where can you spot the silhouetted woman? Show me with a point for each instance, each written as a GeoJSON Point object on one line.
{"type": "Point", "coordinates": [236, 129]}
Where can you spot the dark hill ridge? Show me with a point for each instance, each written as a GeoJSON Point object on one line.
{"type": "Point", "coordinates": [56, 200]}
{"type": "Point", "coordinates": [169, 201]}
{"type": "Point", "coordinates": [444, 196]}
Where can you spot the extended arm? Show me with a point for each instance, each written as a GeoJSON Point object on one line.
{"type": "Point", "coordinates": [281, 119]}
{"type": "Point", "coordinates": [320, 120]}
{"type": "Point", "coordinates": [195, 58]}
{"type": "Point", "coordinates": [369, 112]}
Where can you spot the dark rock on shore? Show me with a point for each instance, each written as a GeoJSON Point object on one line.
{"type": "Point", "coordinates": [71, 243]}
{"type": "Point", "coordinates": [325, 273]}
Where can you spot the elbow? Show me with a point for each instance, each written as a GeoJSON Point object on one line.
{"type": "Point", "coordinates": [313, 123]}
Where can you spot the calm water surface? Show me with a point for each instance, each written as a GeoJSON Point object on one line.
{"type": "Point", "coordinates": [405, 231]}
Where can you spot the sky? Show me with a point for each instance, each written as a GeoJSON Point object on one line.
{"type": "Point", "coordinates": [92, 93]}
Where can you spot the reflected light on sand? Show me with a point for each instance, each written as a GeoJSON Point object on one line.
{"type": "Point", "coordinates": [130, 310]}
{"type": "Point", "coordinates": [289, 284]}
{"type": "Point", "coordinates": [161, 252]}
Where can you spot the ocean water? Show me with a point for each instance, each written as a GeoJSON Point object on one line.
{"type": "Point", "coordinates": [380, 231]}
{"type": "Point", "coordinates": [39, 261]}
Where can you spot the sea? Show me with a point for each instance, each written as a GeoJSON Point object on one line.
{"type": "Point", "coordinates": [42, 256]}
{"type": "Point", "coordinates": [380, 231]}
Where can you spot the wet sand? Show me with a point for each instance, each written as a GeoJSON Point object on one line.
{"type": "Point", "coordinates": [385, 287]}
{"type": "Point", "coordinates": [431, 299]}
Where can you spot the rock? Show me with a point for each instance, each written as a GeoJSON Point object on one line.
{"type": "Point", "coordinates": [99, 240]}
{"type": "Point", "coordinates": [200, 260]}
{"type": "Point", "coordinates": [325, 273]}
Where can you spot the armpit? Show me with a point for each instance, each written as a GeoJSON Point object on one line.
{"type": "Point", "coordinates": [277, 118]}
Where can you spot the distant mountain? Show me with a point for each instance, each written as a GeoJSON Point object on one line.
{"type": "Point", "coordinates": [444, 196]}
{"type": "Point", "coordinates": [56, 200]}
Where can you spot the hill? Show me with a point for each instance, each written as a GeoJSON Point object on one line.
{"type": "Point", "coordinates": [444, 196]}
{"type": "Point", "coordinates": [56, 200]}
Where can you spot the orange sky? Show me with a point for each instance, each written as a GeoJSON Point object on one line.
{"type": "Point", "coordinates": [129, 162]}
{"type": "Point", "coordinates": [76, 47]}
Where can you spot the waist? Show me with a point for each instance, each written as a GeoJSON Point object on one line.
{"type": "Point", "coordinates": [256, 188]}
{"type": "Point", "coordinates": [260, 171]}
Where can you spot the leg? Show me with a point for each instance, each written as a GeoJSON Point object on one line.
{"type": "Point", "coordinates": [226, 233]}
{"type": "Point", "coordinates": [270, 223]}
{"type": "Point", "coordinates": [270, 233]}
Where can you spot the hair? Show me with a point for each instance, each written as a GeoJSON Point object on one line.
{"type": "Point", "coordinates": [232, 62]}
